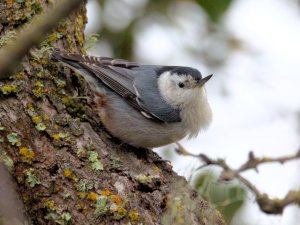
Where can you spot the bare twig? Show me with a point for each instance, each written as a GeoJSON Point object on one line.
{"type": "Point", "coordinates": [266, 204]}
{"type": "Point", "coordinates": [12, 54]}
{"type": "Point", "coordinates": [253, 161]}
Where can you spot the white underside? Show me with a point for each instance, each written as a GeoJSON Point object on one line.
{"type": "Point", "coordinates": [135, 129]}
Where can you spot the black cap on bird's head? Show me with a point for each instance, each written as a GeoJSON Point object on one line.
{"type": "Point", "coordinates": [183, 70]}
{"type": "Point", "coordinates": [187, 71]}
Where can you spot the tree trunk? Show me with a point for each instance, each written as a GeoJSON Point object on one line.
{"type": "Point", "coordinates": [68, 169]}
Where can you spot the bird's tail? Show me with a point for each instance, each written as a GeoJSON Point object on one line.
{"type": "Point", "coordinates": [68, 58]}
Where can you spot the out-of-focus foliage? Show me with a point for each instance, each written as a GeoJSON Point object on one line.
{"type": "Point", "coordinates": [215, 9]}
{"type": "Point", "coordinates": [123, 20]}
{"type": "Point", "coordinates": [227, 198]}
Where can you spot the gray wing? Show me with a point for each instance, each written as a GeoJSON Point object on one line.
{"type": "Point", "coordinates": [149, 97]}
{"type": "Point", "coordinates": [137, 84]}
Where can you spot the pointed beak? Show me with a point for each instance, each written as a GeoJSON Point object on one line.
{"type": "Point", "coordinates": [204, 80]}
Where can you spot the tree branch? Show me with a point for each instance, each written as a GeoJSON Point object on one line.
{"type": "Point", "coordinates": [266, 204]}
{"type": "Point", "coordinates": [253, 161]}
{"type": "Point", "coordinates": [11, 55]}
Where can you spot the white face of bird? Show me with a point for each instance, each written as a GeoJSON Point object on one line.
{"type": "Point", "coordinates": [180, 89]}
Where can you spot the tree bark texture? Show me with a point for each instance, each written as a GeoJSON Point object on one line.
{"type": "Point", "coordinates": [68, 169]}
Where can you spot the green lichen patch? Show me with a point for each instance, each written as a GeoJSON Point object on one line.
{"type": "Point", "coordinates": [41, 127]}
{"type": "Point", "coordinates": [66, 217]}
{"type": "Point", "coordinates": [63, 218]}
{"type": "Point", "coordinates": [14, 139]}
{"type": "Point", "coordinates": [31, 178]}
{"type": "Point", "coordinates": [93, 156]}
{"type": "Point", "coordinates": [84, 185]}
{"type": "Point", "coordinates": [96, 164]}
{"type": "Point", "coordinates": [101, 206]}
{"type": "Point", "coordinates": [66, 195]}
{"type": "Point", "coordinates": [39, 122]}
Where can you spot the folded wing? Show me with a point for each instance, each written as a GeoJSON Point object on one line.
{"type": "Point", "coordinates": [137, 84]}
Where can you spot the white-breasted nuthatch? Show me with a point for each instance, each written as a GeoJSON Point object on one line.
{"type": "Point", "coordinates": [144, 105]}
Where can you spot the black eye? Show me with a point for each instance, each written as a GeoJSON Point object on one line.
{"type": "Point", "coordinates": [181, 85]}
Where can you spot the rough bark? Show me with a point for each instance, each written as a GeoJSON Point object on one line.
{"type": "Point", "coordinates": [68, 169]}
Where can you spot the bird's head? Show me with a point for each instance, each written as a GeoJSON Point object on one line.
{"type": "Point", "coordinates": [181, 86]}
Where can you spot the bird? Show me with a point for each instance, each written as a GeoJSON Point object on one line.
{"type": "Point", "coordinates": [146, 106]}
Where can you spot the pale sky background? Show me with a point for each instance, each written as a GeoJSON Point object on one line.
{"type": "Point", "coordinates": [259, 111]}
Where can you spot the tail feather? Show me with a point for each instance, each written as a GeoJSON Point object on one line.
{"type": "Point", "coordinates": [64, 56]}
{"type": "Point", "coordinates": [69, 58]}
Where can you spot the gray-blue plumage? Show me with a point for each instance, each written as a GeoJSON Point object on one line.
{"type": "Point", "coordinates": [149, 97]}
{"type": "Point", "coordinates": [136, 83]}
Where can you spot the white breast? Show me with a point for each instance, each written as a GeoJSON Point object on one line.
{"type": "Point", "coordinates": [196, 114]}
